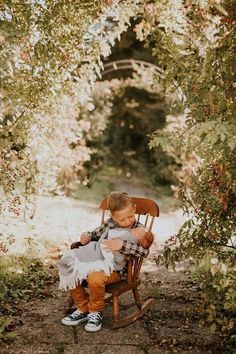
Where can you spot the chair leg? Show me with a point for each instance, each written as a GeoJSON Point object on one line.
{"type": "Point", "coordinates": [137, 298]}
{"type": "Point", "coordinates": [116, 307]}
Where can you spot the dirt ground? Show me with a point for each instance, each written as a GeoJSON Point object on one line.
{"type": "Point", "coordinates": [175, 324]}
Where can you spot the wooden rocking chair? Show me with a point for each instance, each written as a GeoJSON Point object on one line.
{"type": "Point", "coordinates": [150, 210]}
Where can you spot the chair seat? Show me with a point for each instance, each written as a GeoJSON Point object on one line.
{"type": "Point", "coordinates": [121, 286]}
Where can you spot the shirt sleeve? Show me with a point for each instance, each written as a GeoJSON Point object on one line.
{"type": "Point", "coordinates": [99, 231]}
{"type": "Point", "coordinates": [134, 249]}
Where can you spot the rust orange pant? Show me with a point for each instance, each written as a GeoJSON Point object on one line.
{"type": "Point", "coordinates": [95, 300]}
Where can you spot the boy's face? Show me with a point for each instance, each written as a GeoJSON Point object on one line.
{"type": "Point", "coordinates": [126, 216]}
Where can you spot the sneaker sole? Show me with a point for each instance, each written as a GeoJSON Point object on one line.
{"type": "Point", "coordinates": [74, 323]}
{"type": "Point", "coordinates": [93, 329]}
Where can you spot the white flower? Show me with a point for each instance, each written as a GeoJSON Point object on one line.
{"type": "Point", "coordinates": [214, 261]}
{"type": "Point", "coordinates": [224, 268]}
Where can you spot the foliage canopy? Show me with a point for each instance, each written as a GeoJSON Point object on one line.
{"type": "Point", "coordinates": [50, 58]}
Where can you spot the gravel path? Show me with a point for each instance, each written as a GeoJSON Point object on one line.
{"type": "Point", "coordinates": [174, 325]}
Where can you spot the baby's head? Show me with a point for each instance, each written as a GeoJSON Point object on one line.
{"type": "Point", "coordinates": [122, 208]}
{"type": "Point", "coordinates": [144, 238]}
{"type": "Point", "coordinates": [147, 240]}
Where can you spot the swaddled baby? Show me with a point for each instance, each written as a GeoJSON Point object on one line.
{"type": "Point", "coordinates": [76, 264]}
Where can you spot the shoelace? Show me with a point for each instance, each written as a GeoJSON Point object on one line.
{"type": "Point", "coordinates": [75, 313]}
{"type": "Point", "coordinates": [94, 317]}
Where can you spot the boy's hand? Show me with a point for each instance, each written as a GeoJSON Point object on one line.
{"type": "Point", "coordinates": [112, 245]}
{"type": "Point", "coordinates": [85, 238]}
{"type": "Point", "coordinates": [75, 244]}
{"type": "Point", "coordinates": [139, 232]}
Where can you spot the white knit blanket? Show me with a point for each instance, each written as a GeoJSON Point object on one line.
{"type": "Point", "coordinates": [75, 265]}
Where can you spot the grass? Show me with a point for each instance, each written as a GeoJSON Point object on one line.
{"type": "Point", "coordinates": [111, 178]}
{"type": "Point", "coordinates": [22, 278]}
{"type": "Point", "coordinates": [94, 193]}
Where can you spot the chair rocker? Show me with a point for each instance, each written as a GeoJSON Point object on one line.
{"type": "Point", "coordinates": [150, 210]}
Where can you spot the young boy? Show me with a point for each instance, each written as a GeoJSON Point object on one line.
{"type": "Point", "coordinates": [90, 306]}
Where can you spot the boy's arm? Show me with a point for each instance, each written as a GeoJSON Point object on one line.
{"type": "Point", "coordinates": [134, 249]}
{"type": "Point", "coordinates": [97, 233]}
{"type": "Point", "coordinates": [125, 247]}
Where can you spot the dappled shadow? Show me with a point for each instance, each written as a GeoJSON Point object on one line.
{"type": "Point", "coordinates": [174, 324]}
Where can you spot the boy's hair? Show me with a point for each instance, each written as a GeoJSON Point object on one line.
{"type": "Point", "coordinates": [118, 201]}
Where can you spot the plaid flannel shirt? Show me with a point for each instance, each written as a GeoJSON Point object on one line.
{"type": "Point", "coordinates": [128, 247]}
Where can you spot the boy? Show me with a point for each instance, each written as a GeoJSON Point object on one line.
{"type": "Point", "coordinates": [90, 306]}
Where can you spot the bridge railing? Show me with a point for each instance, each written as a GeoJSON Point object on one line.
{"type": "Point", "coordinates": [130, 64]}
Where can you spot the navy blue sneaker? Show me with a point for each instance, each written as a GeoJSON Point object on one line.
{"type": "Point", "coordinates": [75, 318]}
{"type": "Point", "coordinates": [94, 323]}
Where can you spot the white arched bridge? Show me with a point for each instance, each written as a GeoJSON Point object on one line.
{"type": "Point", "coordinates": [132, 64]}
